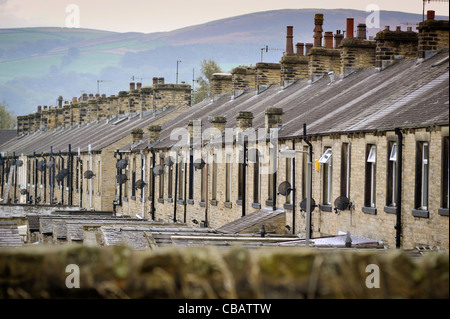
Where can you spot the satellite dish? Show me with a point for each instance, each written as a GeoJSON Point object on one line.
{"type": "Point", "coordinates": [50, 164]}
{"type": "Point", "coordinates": [122, 164]}
{"type": "Point", "coordinates": [64, 172]}
{"type": "Point", "coordinates": [88, 174]}
{"type": "Point", "coordinates": [19, 163]}
{"type": "Point", "coordinates": [13, 162]}
{"type": "Point", "coordinates": [303, 204]}
{"type": "Point", "coordinates": [41, 166]}
{"type": "Point", "coordinates": [168, 161]}
{"type": "Point", "coordinates": [284, 188]}
{"type": "Point", "coordinates": [199, 163]}
{"type": "Point", "coordinates": [253, 155]}
{"type": "Point", "coordinates": [23, 191]}
{"type": "Point", "coordinates": [158, 170]}
{"type": "Point", "coordinates": [342, 203]}
{"type": "Point", "coordinates": [59, 177]}
{"type": "Point", "coordinates": [121, 179]}
{"type": "Point", "coordinates": [140, 184]}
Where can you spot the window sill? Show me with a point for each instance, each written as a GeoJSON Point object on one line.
{"type": "Point", "coordinates": [420, 213]}
{"type": "Point", "coordinates": [202, 204]}
{"type": "Point", "coordinates": [213, 202]}
{"type": "Point", "coordinates": [227, 205]}
{"type": "Point", "coordinates": [443, 211]}
{"type": "Point", "coordinates": [180, 201]}
{"type": "Point", "coordinates": [239, 202]}
{"type": "Point", "coordinates": [256, 205]}
{"type": "Point", "coordinates": [169, 200]}
{"type": "Point", "coordinates": [288, 206]}
{"type": "Point", "coordinates": [161, 200]}
{"type": "Point", "coordinates": [125, 199]}
{"type": "Point", "coordinates": [369, 210]}
{"type": "Point", "coordinates": [326, 208]}
{"type": "Point", "coordinates": [190, 201]}
{"type": "Point", "coordinates": [133, 197]}
{"type": "Point", "coordinates": [269, 203]}
{"type": "Point", "coordinates": [390, 209]}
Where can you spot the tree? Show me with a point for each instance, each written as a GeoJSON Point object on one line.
{"type": "Point", "coordinates": [7, 120]}
{"type": "Point", "coordinates": [208, 68]}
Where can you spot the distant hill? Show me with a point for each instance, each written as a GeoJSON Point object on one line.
{"type": "Point", "coordinates": [39, 64]}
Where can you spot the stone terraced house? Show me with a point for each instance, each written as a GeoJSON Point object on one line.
{"type": "Point", "coordinates": [370, 118]}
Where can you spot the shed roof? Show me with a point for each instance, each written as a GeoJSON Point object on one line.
{"type": "Point", "coordinates": [9, 235]}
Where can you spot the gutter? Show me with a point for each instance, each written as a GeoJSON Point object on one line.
{"type": "Point", "coordinates": [398, 225]}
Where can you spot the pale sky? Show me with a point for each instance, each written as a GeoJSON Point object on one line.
{"type": "Point", "coordinates": [165, 15]}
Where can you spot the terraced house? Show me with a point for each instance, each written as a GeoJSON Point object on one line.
{"type": "Point", "coordinates": [356, 128]}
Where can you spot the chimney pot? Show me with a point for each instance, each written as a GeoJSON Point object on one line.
{"type": "Point", "coordinates": [308, 47]}
{"type": "Point", "coordinates": [39, 109]}
{"type": "Point", "coordinates": [74, 99]}
{"type": "Point", "coordinates": [386, 28]}
{"type": "Point", "coordinates": [132, 86]}
{"type": "Point", "coordinates": [350, 26]}
{"type": "Point", "coordinates": [318, 22]}
{"type": "Point", "coordinates": [289, 42]}
{"type": "Point", "coordinates": [430, 14]}
{"type": "Point", "coordinates": [398, 28]}
{"type": "Point", "coordinates": [408, 29]}
{"type": "Point", "coordinates": [338, 39]}
{"type": "Point", "coordinates": [155, 81]}
{"type": "Point", "coordinates": [300, 48]}
{"type": "Point", "coordinates": [161, 80]}
{"type": "Point", "coordinates": [138, 85]}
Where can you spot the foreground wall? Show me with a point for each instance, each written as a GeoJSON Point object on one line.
{"type": "Point", "coordinates": [40, 272]}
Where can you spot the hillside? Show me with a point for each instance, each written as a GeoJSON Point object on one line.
{"type": "Point", "coordinates": [39, 64]}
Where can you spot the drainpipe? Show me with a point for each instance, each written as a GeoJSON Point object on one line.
{"type": "Point", "coordinates": [80, 161]}
{"type": "Point", "coordinates": [308, 187]}
{"type": "Point", "coordinates": [184, 188]}
{"type": "Point", "coordinates": [35, 177]}
{"type": "Point", "coordinates": [143, 165]}
{"type": "Point", "coordinates": [15, 178]}
{"type": "Point", "coordinates": [152, 151]}
{"type": "Point", "coordinates": [294, 192]}
{"type": "Point", "coordinates": [398, 226]}
{"type": "Point", "coordinates": [90, 181]}
{"type": "Point", "coordinates": [176, 189]}
{"type": "Point", "coordinates": [52, 196]}
{"type": "Point", "coordinates": [45, 180]}
{"type": "Point", "coordinates": [70, 177]}
{"type": "Point", "coordinates": [62, 181]}
{"type": "Point", "coordinates": [244, 179]}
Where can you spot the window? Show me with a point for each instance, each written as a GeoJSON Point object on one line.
{"type": "Point", "coordinates": [241, 177]}
{"type": "Point", "coordinates": [203, 184]}
{"type": "Point", "coordinates": [161, 180]}
{"type": "Point", "coordinates": [99, 176]}
{"type": "Point", "coordinates": [370, 180]}
{"type": "Point", "coordinates": [289, 178]}
{"type": "Point", "coordinates": [345, 170]}
{"type": "Point", "coordinates": [422, 165]}
{"type": "Point", "coordinates": [191, 176]}
{"type": "Point", "coordinates": [181, 180]}
{"type": "Point", "coordinates": [214, 178]}
{"type": "Point", "coordinates": [391, 193]}
{"type": "Point", "coordinates": [445, 171]}
{"type": "Point", "coordinates": [326, 160]}
{"type": "Point", "coordinates": [304, 170]}
{"type": "Point", "coordinates": [228, 178]}
{"type": "Point", "coordinates": [169, 181]}
{"type": "Point", "coordinates": [256, 180]}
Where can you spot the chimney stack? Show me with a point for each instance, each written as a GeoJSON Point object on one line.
{"type": "Point", "coordinates": [39, 109]}
{"type": "Point", "coordinates": [308, 47]}
{"type": "Point", "coordinates": [244, 120]}
{"type": "Point", "coordinates": [338, 39]}
{"type": "Point", "coordinates": [74, 99]}
{"type": "Point", "coordinates": [350, 26]}
{"type": "Point", "coordinates": [160, 80]}
{"type": "Point", "coordinates": [328, 39]}
{"type": "Point", "coordinates": [154, 133]}
{"type": "Point", "coordinates": [60, 100]}
{"type": "Point", "coordinates": [274, 118]}
{"type": "Point", "coordinates": [318, 22]}
{"type": "Point", "coordinates": [361, 32]}
{"type": "Point", "coordinates": [137, 134]}
{"type": "Point", "coordinates": [132, 86]}
{"type": "Point", "coordinates": [289, 41]}
{"type": "Point", "coordinates": [138, 85]}
{"type": "Point", "coordinates": [300, 48]}
{"type": "Point", "coordinates": [155, 81]}
{"type": "Point", "coordinates": [217, 124]}
{"type": "Point", "coordinates": [430, 15]}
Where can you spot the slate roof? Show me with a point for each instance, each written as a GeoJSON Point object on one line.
{"type": "Point", "coordinates": [6, 135]}
{"type": "Point", "coordinates": [406, 94]}
{"type": "Point", "coordinates": [247, 221]}
{"type": "Point", "coordinates": [98, 133]}
{"type": "Point", "coordinates": [9, 235]}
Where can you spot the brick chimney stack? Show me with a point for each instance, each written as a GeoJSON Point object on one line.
{"type": "Point", "coordinates": [138, 85]}
{"type": "Point", "coordinates": [244, 120]}
{"type": "Point", "coordinates": [361, 32]}
{"type": "Point", "coordinates": [300, 48]}
{"type": "Point", "coordinates": [328, 39]}
{"type": "Point", "coordinates": [155, 81]}
{"type": "Point", "coordinates": [273, 118]}
{"type": "Point", "coordinates": [154, 133]}
{"type": "Point", "coordinates": [132, 86]}
{"type": "Point", "coordinates": [289, 41]}
{"type": "Point", "coordinates": [350, 26]}
{"type": "Point", "coordinates": [318, 22]}
{"type": "Point", "coordinates": [338, 37]}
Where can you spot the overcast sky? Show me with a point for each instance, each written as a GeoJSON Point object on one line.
{"type": "Point", "coordinates": [165, 15]}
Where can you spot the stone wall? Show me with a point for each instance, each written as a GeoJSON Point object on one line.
{"type": "Point", "coordinates": [356, 53]}
{"type": "Point", "coordinates": [294, 67]}
{"type": "Point", "coordinates": [391, 44]}
{"type": "Point", "coordinates": [208, 273]}
{"type": "Point", "coordinates": [267, 73]}
{"type": "Point", "coordinates": [322, 60]}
